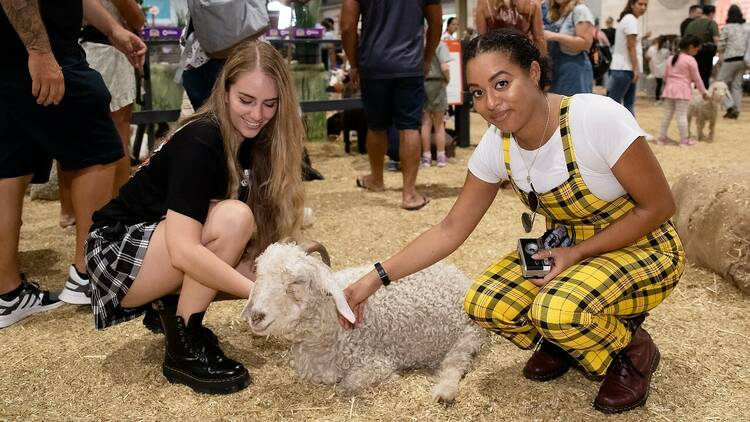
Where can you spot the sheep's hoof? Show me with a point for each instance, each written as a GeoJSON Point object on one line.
{"type": "Point", "coordinates": [445, 394]}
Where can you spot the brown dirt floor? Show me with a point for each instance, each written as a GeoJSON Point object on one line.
{"type": "Point", "coordinates": [57, 366]}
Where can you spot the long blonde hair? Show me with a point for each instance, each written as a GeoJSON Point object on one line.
{"type": "Point", "coordinates": [276, 192]}
{"type": "Point", "coordinates": [555, 12]}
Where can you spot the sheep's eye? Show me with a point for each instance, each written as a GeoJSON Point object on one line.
{"type": "Point", "coordinates": [298, 281]}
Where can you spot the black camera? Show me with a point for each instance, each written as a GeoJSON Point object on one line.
{"type": "Point", "coordinates": [530, 267]}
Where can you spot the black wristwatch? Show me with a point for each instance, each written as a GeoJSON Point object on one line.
{"type": "Point", "coordinates": [382, 274]}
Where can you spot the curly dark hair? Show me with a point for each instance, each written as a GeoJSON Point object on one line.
{"type": "Point", "coordinates": [517, 46]}
{"type": "Point", "coordinates": [734, 15]}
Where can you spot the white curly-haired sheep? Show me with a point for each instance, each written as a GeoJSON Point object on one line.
{"type": "Point", "coordinates": [417, 322]}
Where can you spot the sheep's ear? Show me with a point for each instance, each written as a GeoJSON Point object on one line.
{"type": "Point", "coordinates": [341, 304]}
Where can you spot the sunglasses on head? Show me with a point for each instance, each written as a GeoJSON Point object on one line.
{"type": "Point", "coordinates": [527, 219]}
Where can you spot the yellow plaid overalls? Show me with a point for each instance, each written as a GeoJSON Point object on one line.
{"type": "Point", "coordinates": [581, 310]}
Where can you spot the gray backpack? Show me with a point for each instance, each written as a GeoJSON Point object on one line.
{"type": "Point", "coordinates": [220, 24]}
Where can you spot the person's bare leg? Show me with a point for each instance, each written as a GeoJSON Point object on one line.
{"type": "Point", "coordinates": [426, 131]}
{"type": "Point", "coordinates": [409, 150]}
{"type": "Point", "coordinates": [439, 123]}
{"type": "Point", "coordinates": [377, 143]}
{"type": "Point", "coordinates": [121, 118]}
{"type": "Point", "coordinates": [12, 191]}
{"type": "Point", "coordinates": [91, 189]}
{"type": "Point", "coordinates": [224, 233]}
{"type": "Point", "coordinates": [67, 216]}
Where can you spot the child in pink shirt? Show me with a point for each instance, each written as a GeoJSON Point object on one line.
{"type": "Point", "coordinates": [681, 71]}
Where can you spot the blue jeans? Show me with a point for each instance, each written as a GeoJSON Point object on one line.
{"type": "Point", "coordinates": [622, 89]}
{"type": "Point", "coordinates": [198, 82]}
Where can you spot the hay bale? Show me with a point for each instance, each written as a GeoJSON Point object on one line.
{"type": "Point", "coordinates": [46, 191]}
{"type": "Point", "coordinates": [713, 221]}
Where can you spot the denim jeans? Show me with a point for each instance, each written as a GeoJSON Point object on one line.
{"type": "Point", "coordinates": [199, 81]}
{"type": "Point", "coordinates": [622, 89]}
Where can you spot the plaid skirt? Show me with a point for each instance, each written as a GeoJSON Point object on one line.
{"type": "Point", "coordinates": [114, 254]}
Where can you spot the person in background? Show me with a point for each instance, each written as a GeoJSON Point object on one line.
{"type": "Point", "coordinates": [53, 105]}
{"type": "Point", "coordinates": [389, 61]}
{"type": "Point", "coordinates": [657, 55]}
{"type": "Point", "coordinates": [119, 78]}
{"type": "Point", "coordinates": [680, 74]}
{"type": "Point", "coordinates": [733, 44]}
{"type": "Point", "coordinates": [694, 12]}
{"type": "Point", "coordinates": [627, 57]}
{"type": "Point", "coordinates": [469, 35]}
{"type": "Point", "coordinates": [435, 106]}
{"type": "Point", "coordinates": [451, 29]}
{"type": "Point", "coordinates": [523, 15]}
{"type": "Point", "coordinates": [610, 30]}
{"type": "Point", "coordinates": [606, 49]}
{"type": "Point", "coordinates": [595, 180]}
{"type": "Point", "coordinates": [569, 37]}
{"type": "Point", "coordinates": [705, 28]}
{"type": "Point", "coordinates": [328, 51]}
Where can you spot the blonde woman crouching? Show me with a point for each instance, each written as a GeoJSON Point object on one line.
{"type": "Point", "coordinates": [226, 182]}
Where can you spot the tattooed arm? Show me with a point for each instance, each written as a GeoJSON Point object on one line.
{"type": "Point", "coordinates": [47, 83]}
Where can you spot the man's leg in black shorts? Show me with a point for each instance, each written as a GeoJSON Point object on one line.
{"type": "Point", "coordinates": [12, 191]}
{"type": "Point", "coordinates": [78, 132]}
{"type": "Point", "coordinates": [408, 98]}
{"type": "Point", "coordinates": [374, 98]}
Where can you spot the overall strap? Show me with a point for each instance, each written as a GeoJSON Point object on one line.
{"type": "Point", "coordinates": [567, 142]}
{"type": "Point", "coordinates": [506, 152]}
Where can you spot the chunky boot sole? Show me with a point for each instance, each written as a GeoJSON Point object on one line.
{"type": "Point", "coordinates": [224, 386]}
{"type": "Point", "coordinates": [546, 377]}
{"type": "Point", "coordinates": [639, 403]}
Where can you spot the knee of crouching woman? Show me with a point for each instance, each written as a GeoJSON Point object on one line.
{"type": "Point", "coordinates": [235, 220]}
{"type": "Point", "coordinates": [554, 313]}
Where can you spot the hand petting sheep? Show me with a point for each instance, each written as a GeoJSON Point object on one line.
{"type": "Point", "coordinates": [419, 323]}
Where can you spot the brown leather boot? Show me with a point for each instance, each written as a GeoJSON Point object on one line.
{"type": "Point", "coordinates": [548, 362]}
{"type": "Point", "coordinates": [628, 378]}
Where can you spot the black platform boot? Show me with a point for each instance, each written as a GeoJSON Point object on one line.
{"type": "Point", "coordinates": [152, 320]}
{"type": "Point", "coordinates": [191, 359]}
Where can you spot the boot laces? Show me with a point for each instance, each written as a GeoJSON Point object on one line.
{"type": "Point", "coordinates": [625, 365]}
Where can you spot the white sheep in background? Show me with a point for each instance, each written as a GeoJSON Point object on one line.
{"type": "Point", "coordinates": [417, 322]}
{"type": "Point", "coordinates": [706, 111]}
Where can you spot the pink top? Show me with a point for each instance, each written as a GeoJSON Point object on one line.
{"type": "Point", "coordinates": [677, 78]}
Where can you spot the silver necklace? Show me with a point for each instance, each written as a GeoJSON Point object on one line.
{"type": "Point", "coordinates": [536, 151]}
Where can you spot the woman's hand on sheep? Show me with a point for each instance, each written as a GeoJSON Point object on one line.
{"type": "Point", "coordinates": [356, 295]}
{"type": "Point", "coordinates": [561, 259]}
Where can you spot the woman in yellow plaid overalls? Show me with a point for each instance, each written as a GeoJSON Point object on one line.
{"type": "Point", "coordinates": [626, 257]}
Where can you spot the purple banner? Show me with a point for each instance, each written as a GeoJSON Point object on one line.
{"type": "Point", "coordinates": [161, 32]}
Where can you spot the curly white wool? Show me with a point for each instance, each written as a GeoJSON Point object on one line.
{"type": "Point", "coordinates": [417, 322]}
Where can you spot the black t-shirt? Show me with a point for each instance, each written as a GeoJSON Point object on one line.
{"type": "Point", "coordinates": [610, 33]}
{"type": "Point", "coordinates": [183, 175]}
{"type": "Point", "coordinates": [62, 19]}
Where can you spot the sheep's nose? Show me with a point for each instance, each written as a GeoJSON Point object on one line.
{"type": "Point", "coordinates": [256, 317]}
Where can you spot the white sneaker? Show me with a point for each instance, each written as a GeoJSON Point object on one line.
{"type": "Point", "coordinates": [30, 300]}
{"type": "Point", "coordinates": [76, 291]}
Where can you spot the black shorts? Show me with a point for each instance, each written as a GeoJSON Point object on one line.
{"type": "Point", "coordinates": [78, 132]}
{"type": "Point", "coordinates": [397, 101]}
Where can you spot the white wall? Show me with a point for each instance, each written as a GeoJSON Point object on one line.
{"type": "Point", "coordinates": [658, 19]}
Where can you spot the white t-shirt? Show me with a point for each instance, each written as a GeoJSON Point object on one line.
{"type": "Point", "coordinates": [601, 131]}
{"type": "Point", "coordinates": [620, 57]}
{"type": "Point", "coordinates": [658, 60]}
